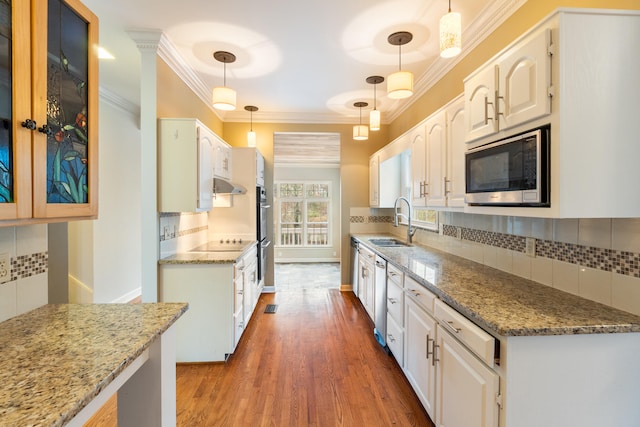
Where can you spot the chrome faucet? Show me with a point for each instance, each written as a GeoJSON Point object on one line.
{"type": "Point", "coordinates": [410, 230]}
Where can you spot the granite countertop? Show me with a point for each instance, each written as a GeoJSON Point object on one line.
{"type": "Point", "coordinates": [210, 253]}
{"type": "Point", "coordinates": [499, 302]}
{"type": "Point", "coordinates": [57, 358]}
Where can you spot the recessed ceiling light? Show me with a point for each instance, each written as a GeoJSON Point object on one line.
{"type": "Point", "coordinates": [104, 53]}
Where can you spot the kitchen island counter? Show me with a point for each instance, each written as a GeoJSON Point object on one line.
{"type": "Point", "coordinates": [57, 359]}
{"type": "Point", "coordinates": [501, 303]}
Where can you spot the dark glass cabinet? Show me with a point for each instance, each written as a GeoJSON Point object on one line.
{"type": "Point", "coordinates": [48, 111]}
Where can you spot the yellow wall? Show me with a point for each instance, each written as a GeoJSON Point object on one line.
{"type": "Point", "coordinates": [175, 99]}
{"type": "Point", "coordinates": [452, 84]}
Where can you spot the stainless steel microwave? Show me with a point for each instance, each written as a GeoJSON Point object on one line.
{"type": "Point", "coordinates": [514, 171]}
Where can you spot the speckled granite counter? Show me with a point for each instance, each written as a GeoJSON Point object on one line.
{"type": "Point", "coordinates": [57, 358]}
{"type": "Point", "coordinates": [217, 256]}
{"type": "Point", "coordinates": [499, 302]}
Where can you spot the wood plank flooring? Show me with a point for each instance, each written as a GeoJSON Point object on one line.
{"type": "Point", "coordinates": [314, 362]}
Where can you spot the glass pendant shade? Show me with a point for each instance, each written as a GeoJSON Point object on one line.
{"type": "Point", "coordinates": [224, 98]}
{"type": "Point", "coordinates": [251, 138]}
{"type": "Point", "coordinates": [374, 120]}
{"type": "Point", "coordinates": [360, 132]}
{"type": "Point", "coordinates": [400, 85]}
{"type": "Point", "coordinates": [450, 35]}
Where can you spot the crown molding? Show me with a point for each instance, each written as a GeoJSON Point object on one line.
{"type": "Point", "coordinates": [119, 102]}
{"type": "Point", "coordinates": [488, 21]}
{"type": "Point", "coordinates": [169, 54]}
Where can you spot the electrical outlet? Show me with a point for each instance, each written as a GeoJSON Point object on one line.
{"type": "Point", "coordinates": [458, 233]}
{"type": "Point", "coordinates": [530, 247]}
{"type": "Point", "coordinates": [5, 267]}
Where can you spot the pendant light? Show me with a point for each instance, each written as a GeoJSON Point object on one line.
{"type": "Point", "coordinates": [374, 115]}
{"type": "Point", "coordinates": [400, 83]}
{"type": "Point", "coordinates": [360, 131]}
{"type": "Point", "coordinates": [450, 34]}
{"type": "Point", "coordinates": [224, 98]}
{"type": "Point", "coordinates": [251, 135]}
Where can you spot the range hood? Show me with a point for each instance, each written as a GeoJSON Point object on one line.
{"type": "Point", "coordinates": [221, 186]}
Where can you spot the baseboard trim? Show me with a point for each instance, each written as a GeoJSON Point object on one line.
{"type": "Point", "coordinates": [128, 297]}
{"type": "Point", "coordinates": [346, 288]}
{"type": "Point", "coordinates": [269, 290]}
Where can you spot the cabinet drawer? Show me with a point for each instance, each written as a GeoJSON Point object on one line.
{"type": "Point", "coordinates": [394, 274]}
{"type": "Point", "coordinates": [420, 294]}
{"type": "Point", "coordinates": [477, 340]}
{"type": "Point", "coordinates": [395, 339]}
{"type": "Point", "coordinates": [367, 254]}
{"type": "Point", "coordinates": [238, 327]}
{"type": "Point", "coordinates": [395, 302]}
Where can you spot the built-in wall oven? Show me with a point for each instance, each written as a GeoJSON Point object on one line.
{"type": "Point", "coordinates": [263, 241]}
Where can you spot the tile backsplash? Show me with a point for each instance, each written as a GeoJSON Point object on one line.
{"type": "Point", "coordinates": [182, 231]}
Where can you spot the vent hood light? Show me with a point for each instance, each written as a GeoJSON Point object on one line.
{"type": "Point", "coordinates": [221, 186]}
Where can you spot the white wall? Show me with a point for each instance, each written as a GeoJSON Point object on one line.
{"type": "Point", "coordinates": [104, 255]}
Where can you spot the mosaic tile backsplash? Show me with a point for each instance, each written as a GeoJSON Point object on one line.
{"type": "Point", "coordinates": [621, 262]}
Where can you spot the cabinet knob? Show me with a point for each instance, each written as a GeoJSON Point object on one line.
{"type": "Point", "coordinates": [46, 130]}
{"type": "Point", "coordinates": [29, 124]}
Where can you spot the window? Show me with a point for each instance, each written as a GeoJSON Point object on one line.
{"type": "Point", "coordinates": [425, 218]}
{"type": "Point", "coordinates": [303, 213]}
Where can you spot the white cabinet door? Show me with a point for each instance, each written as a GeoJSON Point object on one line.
{"type": "Point", "coordinates": [524, 75]}
{"type": "Point", "coordinates": [395, 339]}
{"type": "Point", "coordinates": [374, 171]}
{"type": "Point", "coordinates": [456, 147]}
{"type": "Point", "coordinates": [419, 336]}
{"type": "Point", "coordinates": [467, 389]}
{"type": "Point", "coordinates": [418, 166]}
{"type": "Point", "coordinates": [221, 159]}
{"type": "Point", "coordinates": [436, 130]}
{"type": "Point", "coordinates": [205, 170]}
{"type": "Point", "coordinates": [479, 103]}
{"type": "Point", "coordinates": [365, 286]}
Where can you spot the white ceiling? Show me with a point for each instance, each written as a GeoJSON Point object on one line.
{"type": "Point", "coordinates": [297, 60]}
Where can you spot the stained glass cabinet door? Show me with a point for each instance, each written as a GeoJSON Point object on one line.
{"type": "Point", "coordinates": [65, 152]}
{"type": "Point", "coordinates": [15, 109]}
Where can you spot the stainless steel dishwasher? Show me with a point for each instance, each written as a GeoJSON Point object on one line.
{"type": "Point", "coordinates": [380, 301]}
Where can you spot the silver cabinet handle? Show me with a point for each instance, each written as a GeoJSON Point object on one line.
{"type": "Point", "coordinates": [414, 292]}
{"type": "Point", "coordinates": [391, 338]}
{"type": "Point", "coordinates": [392, 300]}
{"type": "Point", "coordinates": [486, 110]}
{"type": "Point", "coordinates": [446, 187]}
{"type": "Point", "coordinates": [435, 357]}
{"type": "Point", "coordinates": [451, 327]}
{"type": "Point", "coordinates": [429, 353]}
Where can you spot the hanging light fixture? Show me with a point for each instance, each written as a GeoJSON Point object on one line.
{"type": "Point", "coordinates": [400, 83]}
{"type": "Point", "coordinates": [360, 131]}
{"type": "Point", "coordinates": [374, 115]}
{"type": "Point", "coordinates": [450, 34]}
{"type": "Point", "coordinates": [251, 135]}
{"type": "Point", "coordinates": [224, 98]}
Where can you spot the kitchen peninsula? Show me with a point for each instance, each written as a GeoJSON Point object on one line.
{"type": "Point", "coordinates": [62, 362]}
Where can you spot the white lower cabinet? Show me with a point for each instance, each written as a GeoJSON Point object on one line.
{"type": "Point", "coordinates": [395, 312]}
{"type": "Point", "coordinates": [219, 307]}
{"type": "Point", "coordinates": [420, 333]}
{"type": "Point", "coordinates": [467, 388]}
{"type": "Point", "coordinates": [366, 280]}
{"type": "Point", "coordinates": [455, 386]}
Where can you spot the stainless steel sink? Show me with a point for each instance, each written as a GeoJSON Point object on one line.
{"type": "Point", "coordinates": [388, 243]}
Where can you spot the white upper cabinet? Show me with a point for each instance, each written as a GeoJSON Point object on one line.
{"type": "Point", "coordinates": [454, 181]}
{"type": "Point", "coordinates": [374, 185]}
{"type": "Point", "coordinates": [221, 158]}
{"type": "Point", "coordinates": [437, 158]}
{"type": "Point", "coordinates": [436, 130]}
{"type": "Point", "coordinates": [524, 81]}
{"type": "Point", "coordinates": [511, 89]}
{"type": "Point", "coordinates": [389, 173]}
{"type": "Point", "coordinates": [185, 172]}
{"type": "Point", "coordinates": [418, 165]}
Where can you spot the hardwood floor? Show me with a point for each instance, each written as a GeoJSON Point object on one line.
{"type": "Point", "coordinates": [314, 362]}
